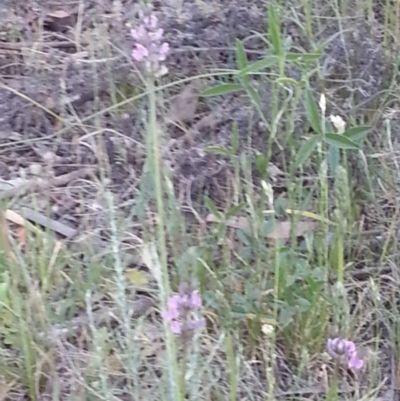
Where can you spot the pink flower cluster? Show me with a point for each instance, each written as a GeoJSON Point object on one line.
{"type": "Point", "coordinates": [180, 312]}
{"type": "Point", "coordinates": [342, 349]}
{"type": "Point", "coordinates": [149, 48]}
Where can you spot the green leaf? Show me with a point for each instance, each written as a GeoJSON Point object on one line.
{"type": "Point", "coordinates": [312, 112]}
{"type": "Point", "coordinates": [261, 163]}
{"type": "Point", "coordinates": [253, 95]}
{"type": "Point", "coordinates": [286, 315]}
{"type": "Point", "coordinates": [286, 80]}
{"type": "Point", "coordinates": [307, 149]}
{"type": "Point", "coordinates": [340, 141]}
{"type": "Point", "coordinates": [303, 57]}
{"type": "Point", "coordinates": [136, 277]}
{"type": "Point", "coordinates": [234, 211]}
{"type": "Point", "coordinates": [222, 89]}
{"type": "Point", "coordinates": [241, 57]}
{"type": "Point", "coordinates": [212, 208]}
{"type": "Point", "coordinates": [218, 149]}
{"type": "Point", "coordinates": [274, 30]}
{"type": "Point", "coordinates": [260, 64]}
{"type": "Point", "coordinates": [333, 159]}
{"type": "Point", "coordinates": [357, 134]}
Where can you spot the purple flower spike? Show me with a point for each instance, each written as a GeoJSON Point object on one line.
{"type": "Point", "coordinates": [139, 53]}
{"type": "Point", "coordinates": [355, 362]}
{"type": "Point", "coordinates": [176, 327]}
{"type": "Point", "coordinates": [197, 324]}
{"type": "Point", "coordinates": [150, 22]}
{"type": "Point", "coordinates": [344, 350]}
{"type": "Point", "coordinates": [195, 300]}
{"type": "Point", "coordinates": [149, 49]}
{"type": "Point", "coordinates": [180, 312]}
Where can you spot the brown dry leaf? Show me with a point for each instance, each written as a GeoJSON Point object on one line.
{"type": "Point", "coordinates": [58, 227]}
{"type": "Point", "coordinates": [26, 215]}
{"type": "Point", "coordinates": [60, 20]}
{"type": "Point", "coordinates": [183, 106]}
{"type": "Point", "coordinates": [4, 238]}
{"type": "Point", "coordinates": [274, 172]}
{"type": "Point", "coordinates": [21, 236]}
{"type": "Point", "coordinates": [14, 217]}
{"type": "Point", "coordinates": [57, 248]}
{"type": "Point", "coordinates": [282, 228]}
{"type": "Point", "coordinates": [20, 231]}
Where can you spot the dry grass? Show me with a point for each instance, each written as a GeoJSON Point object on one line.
{"type": "Point", "coordinates": [80, 301]}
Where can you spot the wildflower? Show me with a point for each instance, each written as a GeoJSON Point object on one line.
{"type": "Point", "coordinates": [149, 49]}
{"type": "Point", "coordinates": [342, 349]}
{"type": "Point", "coordinates": [139, 53]}
{"type": "Point", "coordinates": [180, 312]}
{"type": "Point", "coordinates": [339, 123]}
{"type": "Point", "coordinates": [267, 329]}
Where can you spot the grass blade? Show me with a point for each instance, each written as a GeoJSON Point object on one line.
{"type": "Point", "coordinates": [222, 89]}
{"type": "Point", "coordinates": [340, 141]}
{"type": "Point", "coordinates": [312, 112]}
{"type": "Point", "coordinates": [307, 149]}
{"type": "Point", "coordinates": [274, 30]}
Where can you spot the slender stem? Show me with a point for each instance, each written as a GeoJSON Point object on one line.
{"type": "Point", "coordinates": [333, 388]}
{"type": "Point", "coordinates": [164, 284]}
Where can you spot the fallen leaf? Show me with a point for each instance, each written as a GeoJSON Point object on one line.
{"type": "Point", "coordinates": [183, 106]}
{"type": "Point", "coordinates": [21, 236]}
{"type": "Point", "coordinates": [59, 14]}
{"type": "Point", "coordinates": [282, 229]}
{"type": "Point", "coordinates": [60, 20]}
{"type": "Point", "coordinates": [44, 221]}
{"type": "Point", "coordinates": [27, 215]}
{"type": "Point", "coordinates": [14, 217]}
{"type": "Point", "coordinates": [274, 172]}
{"type": "Point", "coordinates": [4, 240]}
{"type": "Point", "coordinates": [136, 277]}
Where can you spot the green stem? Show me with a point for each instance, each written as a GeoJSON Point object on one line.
{"type": "Point", "coordinates": [333, 389]}
{"type": "Point", "coordinates": [164, 285]}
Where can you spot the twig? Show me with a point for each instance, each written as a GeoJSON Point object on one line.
{"type": "Point", "coordinates": [20, 46]}
{"type": "Point", "coordinates": [42, 184]}
{"type": "Point", "coordinates": [45, 221]}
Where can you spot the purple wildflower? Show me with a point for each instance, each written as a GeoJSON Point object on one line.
{"type": "Point", "coordinates": [342, 349]}
{"type": "Point", "coordinates": [139, 53]}
{"type": "Point", "coordinates": [180, 312]}
{"type": "Point", "coordinates": [149, 49]}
